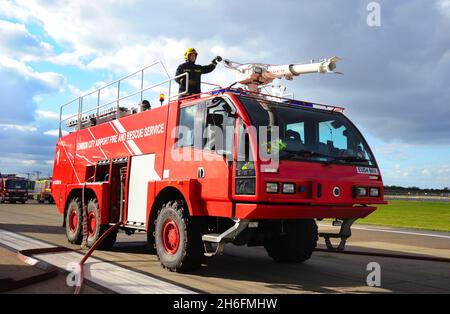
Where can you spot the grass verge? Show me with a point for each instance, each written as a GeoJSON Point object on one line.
{"type": "Point", "coordinates": [411, 214]}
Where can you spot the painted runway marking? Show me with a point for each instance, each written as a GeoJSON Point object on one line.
{"type": "Point", "coordinates": [113, 277]}
{"type": "Point", "coordinates": [396, 231]}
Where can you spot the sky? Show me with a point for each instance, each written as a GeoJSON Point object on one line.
{"type": "Point", "coordinates": [396, 65]}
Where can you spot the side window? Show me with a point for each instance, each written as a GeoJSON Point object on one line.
{"type": "Point", "coordinates": [331, 133]}
{"type": "Point", "coordinates": [295, 136]}
{"type": "Point", "coordinates": [219, 128]}
{"type": "Point", "coordinates": [296, 131]}
{"type": "Point", "coordinates": [243, 149]}
{"type": "Point", "coordinates": [190, 126]}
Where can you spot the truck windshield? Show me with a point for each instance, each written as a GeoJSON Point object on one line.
{"type": "Point", "coordinates": [310, 134]}
{"type": "Point", "coordinates": [16, 184]}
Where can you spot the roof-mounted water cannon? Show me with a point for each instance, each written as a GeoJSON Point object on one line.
{"type": "Point", "coordinates": [255, 75]}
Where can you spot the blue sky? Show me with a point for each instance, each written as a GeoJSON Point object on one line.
{"type": "Point", "coordinates": [396, 86]}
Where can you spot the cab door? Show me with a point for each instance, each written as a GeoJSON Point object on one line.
{"type": "Point", "coordinates": [204, 147]}
{"type": "Point", "coordinates": [215, 170]}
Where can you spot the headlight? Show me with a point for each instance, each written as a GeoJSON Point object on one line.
{"type": "Point", "coordinates": [374, 192]}
{"type": "Point", "coordinates": [288, 188]}
{"type": "Point", "coordinates": [360, 191]}
{"type": "Point", "coordinates": [272, 187]}
{"type": "Point", "coordinates": [245, 186]}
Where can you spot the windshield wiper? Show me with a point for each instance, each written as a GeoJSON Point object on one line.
{"type": "Point", "coordinates": [330, 159]}
{"type": "Point", "coordinates": [351, 158]}
{"type": "Point", "coordinates": [304, 153]}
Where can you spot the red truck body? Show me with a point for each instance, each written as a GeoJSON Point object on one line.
{"type": "Point", "coordinates": [139, 154]}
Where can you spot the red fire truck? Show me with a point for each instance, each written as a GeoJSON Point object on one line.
{"type": "Point", "coordinates": [194, 173]}
{"type": "Point", "coordinates": [13, 189]}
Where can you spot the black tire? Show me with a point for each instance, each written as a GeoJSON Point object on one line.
{"type": "Point", "coordinates": [189, 253]}
{"type": "Point", "coordinates": [74, 232]}
{"type": "Point", "coordinates": [12, 202]}
{"type": "Point", "coordinates": [23, 202]}
{"type": "Point", "coordinates": [96, 230]}
{"type": "Point", "coordinates": [40, 200]}
{"type": "Point", "coordinates": [296, 244]}
{"type": "Point", "coordinates": [151, 246]}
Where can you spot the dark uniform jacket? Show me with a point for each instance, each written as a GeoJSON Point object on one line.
{"type": "Point", "coordinates": [195, 72]}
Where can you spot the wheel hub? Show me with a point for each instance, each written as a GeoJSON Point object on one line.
{"type": "Point", "coordinates": [170, 236]}
{"type": "Point", "coordinates": [92, 224]}
{"type": "Point", "coordinates": [73, 221]}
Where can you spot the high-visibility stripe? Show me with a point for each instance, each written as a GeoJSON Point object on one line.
{"type": "Point", "coordinates": [99, 146]}
{"type": "Point", "coordinates": [131, 143]}
{"type": "Point", "coordinates": [113, 126]}
{"type": "Point", "coordinates": [71, 164]}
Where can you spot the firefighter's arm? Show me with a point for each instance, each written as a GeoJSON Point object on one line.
{"type": "Point", "coordinates": [180, 80]}
{"type": "Point", "coordinates": [212, 66]}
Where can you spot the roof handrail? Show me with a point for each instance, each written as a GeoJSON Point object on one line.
{"type": "Point", "coordinates": [141, 91]}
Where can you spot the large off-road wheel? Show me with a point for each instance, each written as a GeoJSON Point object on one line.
{"type": "Point", "coordinates": [151, 246]}
{"type": "Point", "coordinates": [178, 238]}
{"type": "Point", "coordinates": [295, 244]}
{"type": "Point", "coordinates": [74, 218]}
{"type": "Point", "coordinates": [95, 229]}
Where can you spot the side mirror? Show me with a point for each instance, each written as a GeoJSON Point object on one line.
{"type": "Point", "coordinates": [226, 107]}
{"type": "Point", "coordinates": [228, 155]}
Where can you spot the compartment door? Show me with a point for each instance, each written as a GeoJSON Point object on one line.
{"type": "Point", "coordinates": [142, 170]}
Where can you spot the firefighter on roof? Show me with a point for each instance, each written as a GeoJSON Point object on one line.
{"type": "Point", "coordinates": [195, 71]}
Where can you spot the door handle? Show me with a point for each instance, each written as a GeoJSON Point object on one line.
{"type": "Point", "coordinates": [201, 172]}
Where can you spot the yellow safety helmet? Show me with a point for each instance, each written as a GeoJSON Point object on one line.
{"type": "Point", "coordinates": [188, 52]}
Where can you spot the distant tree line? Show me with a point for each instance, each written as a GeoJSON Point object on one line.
{"type": "Point", "coordinates": [415, 191]}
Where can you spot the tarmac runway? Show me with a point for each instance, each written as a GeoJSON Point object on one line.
{"type": "Point", "coordinates": [240, 269]}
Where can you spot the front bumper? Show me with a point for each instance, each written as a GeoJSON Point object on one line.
{"type": "Point", "coordinates": [297, 211]}
{"type": "Point", "coordinates": [16, 197]}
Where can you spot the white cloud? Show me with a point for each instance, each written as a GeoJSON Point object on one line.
{"type": "Point", "coordinates": [48, 115]}
{"type": "Point", "coordinates": [16, 42]}
{"type": "Point", "coordinates": [393, 151]}
{"type": "Point", "coordinates": [426, 175]}
{"type": "Point", "coordinates": [28, 162]}
{"type": "Point", "coordinates": [17, 127]}
{"type": "Point", "coordinates": [77, 58]}
{"type": "Point", "coordinates": [55, 133]}
{"type": "Point", "coordinates": [20, 84]}
{"type": "Point", "coordinates": [426, 172]}
{"type": "Point", "coordinates": [80, 24]}
{"type": "Point", "coordinates": [444, 7]}
{"type": "Point", "coordinates": [49, 79]}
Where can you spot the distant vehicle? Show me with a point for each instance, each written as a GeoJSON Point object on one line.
{"type": "Point", "coordinates": [31, 185]}
{"type": "Point", "coordinates": [13, 189]}
{"type": "Point", "coordinates": [42, 191]}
